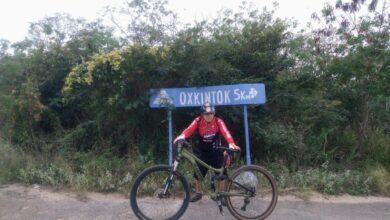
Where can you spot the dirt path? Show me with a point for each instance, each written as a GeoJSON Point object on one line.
{"type": "Point", "coordinates": [19, 202]}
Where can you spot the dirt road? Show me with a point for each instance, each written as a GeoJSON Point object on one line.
{"type": "Point", "coordinates": [19, 202]}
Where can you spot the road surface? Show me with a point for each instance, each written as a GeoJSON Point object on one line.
{"type": "Point", "coordinates": [20, 202]}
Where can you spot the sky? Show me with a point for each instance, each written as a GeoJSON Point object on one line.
{"type": "Point", "coordinates": [15, 15]}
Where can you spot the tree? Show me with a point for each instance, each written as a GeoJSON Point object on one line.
{"type": "Point", "coordinates": [146, 22]}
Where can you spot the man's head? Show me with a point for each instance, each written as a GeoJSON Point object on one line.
{"type": "Point", "coordinates": [207, 111]}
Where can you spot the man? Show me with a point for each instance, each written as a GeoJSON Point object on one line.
{"type": "Point", "coordinates": [209, 127]}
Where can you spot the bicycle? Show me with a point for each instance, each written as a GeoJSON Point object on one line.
{"type": "Point", "coordinates": [250, 189]}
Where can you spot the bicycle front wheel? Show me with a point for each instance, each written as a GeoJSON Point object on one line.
{"type": "Point", "coordinates": [159, 193]}
{"type": "Point", "coordinates": [253, 193]}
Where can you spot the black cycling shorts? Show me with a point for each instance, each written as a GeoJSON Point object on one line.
{"type": "Point", "coordinates": [213, 158]}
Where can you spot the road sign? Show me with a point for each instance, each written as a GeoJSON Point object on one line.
{"type": "Point", "coordinates": [239, 94]}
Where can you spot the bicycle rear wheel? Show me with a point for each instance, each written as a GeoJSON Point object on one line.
{"type": "Point", "coordinates": [156, 194]}
{"type": "Point", "coordinates": [260, 192]}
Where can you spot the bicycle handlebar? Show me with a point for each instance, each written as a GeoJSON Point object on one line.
{"type": "Point", "coordinates": [183, 143]}
{"type": "Point", "coordinates": [227, 149]}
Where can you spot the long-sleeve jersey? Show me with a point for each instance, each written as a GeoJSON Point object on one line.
{"type": "Point", "coordinates": [208, 131]}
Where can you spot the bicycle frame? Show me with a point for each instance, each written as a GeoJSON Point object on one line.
{"type": "Point", "coordinates": [184, 153]}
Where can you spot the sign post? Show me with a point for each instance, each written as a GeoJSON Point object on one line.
{"type": "Point", "coordinates": [170, 136]}
{"type": "Point", "coordinates": [247, 144]}
{"type": "Point", "coordinates": [239, 94]}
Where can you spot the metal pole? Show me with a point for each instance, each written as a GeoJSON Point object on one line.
{"type": "Point", "coordinates": [170, 137]}
{"type": "Point", "coordinates": [247, 144]}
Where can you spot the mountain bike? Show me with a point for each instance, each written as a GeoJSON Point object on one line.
{"type": "Point", "coordinates": [162, 192]}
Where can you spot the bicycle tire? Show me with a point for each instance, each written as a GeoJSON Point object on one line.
{"type": "Point", "coordinates": [272, 183]}
{"type": "Point", "coordinates": [145, 173]}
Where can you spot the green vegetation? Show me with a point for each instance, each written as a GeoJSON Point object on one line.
{"type": "Point", "coordinates": [85, 171]}
{"type": "Point", "coordinates": [368, 180]}
{"type": "Point", "coordinates": [74, 96]}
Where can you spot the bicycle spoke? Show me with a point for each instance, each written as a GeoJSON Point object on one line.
{"type": "Point", "coordinates": [257, 193]}
{"type": "Point", "coordinates": [151, 200]}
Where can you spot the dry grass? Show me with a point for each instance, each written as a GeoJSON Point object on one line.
{"type": "Point", "coordinates": [381, 179]}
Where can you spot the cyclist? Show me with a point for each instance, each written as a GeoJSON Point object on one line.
{"type": "Point", "coordinates": [209, 127]}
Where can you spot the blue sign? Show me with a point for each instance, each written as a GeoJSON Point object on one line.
{"type": "Point", "coordinates": [239, 94]}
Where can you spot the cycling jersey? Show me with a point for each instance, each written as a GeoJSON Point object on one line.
{"type": "Point", "coordinates": [208, 139]}
{"type": "Point", "coordinates": [208, 131]}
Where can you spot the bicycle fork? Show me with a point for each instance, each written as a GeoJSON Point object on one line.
{"type": "Point", "coordinates": [169, 180]}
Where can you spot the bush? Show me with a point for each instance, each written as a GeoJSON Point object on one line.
{"type": "Point", "coordinates": [378, 147]}
{"type": "Point", "coordinates": [380, 179]}
{"type": "Point", "coordinates": [86, 171]}
{"type": "Point", "coordinates": [82, 138]}
{"type": "Point", "coordinates": [282, 141]}
{"type": "Point", "coordinates": [325, 180]}
{"type": "Point", "coordinates": [45, 174]}
{"type": "Point", "coordinates": [106, 173]}
{"type": "Point", "coordinates": [9, 161]}
{"type": "Point", "coordinates": [351, 182]}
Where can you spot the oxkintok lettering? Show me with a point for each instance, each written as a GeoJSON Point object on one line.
{"type": "Point", "coordinates": [220, 97]}
{"type": "Point", "coordinates": [198, 98]}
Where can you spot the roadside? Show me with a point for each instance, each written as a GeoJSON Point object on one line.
{"type": "Point", "coordinates": [34, 202]}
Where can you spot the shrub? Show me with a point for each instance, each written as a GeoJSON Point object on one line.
{"type": "Point", "coordinates": [380, 179]}
{"type": "Point", "coordinates": [10, 161]}
{"type": "Point", "coordinates": [378, 147]}
{"type": "Point", "coordinates": [82, 138]}
{"type": "Point", "coordinates": [325, 180]}
{"type": "Point", "coordinates": [45, 174]}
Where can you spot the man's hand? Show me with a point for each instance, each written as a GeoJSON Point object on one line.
{"type": "Point", "coordinates": [178, 138]}
{"type": "Point", "coordinates": [234, 146]}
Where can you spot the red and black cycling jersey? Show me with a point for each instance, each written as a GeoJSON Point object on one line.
{"type": "Point", "coordinates": [208, 131]}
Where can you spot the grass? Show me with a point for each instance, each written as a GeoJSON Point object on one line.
{"type": "Point", "coordinates": [84, 172]}
{"type": "Point", "coordinates": [380, 180]}
{"type": "Point", "coordinates": [108, 173]}
{"type": "Point", "coordinates": [370, 180]}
